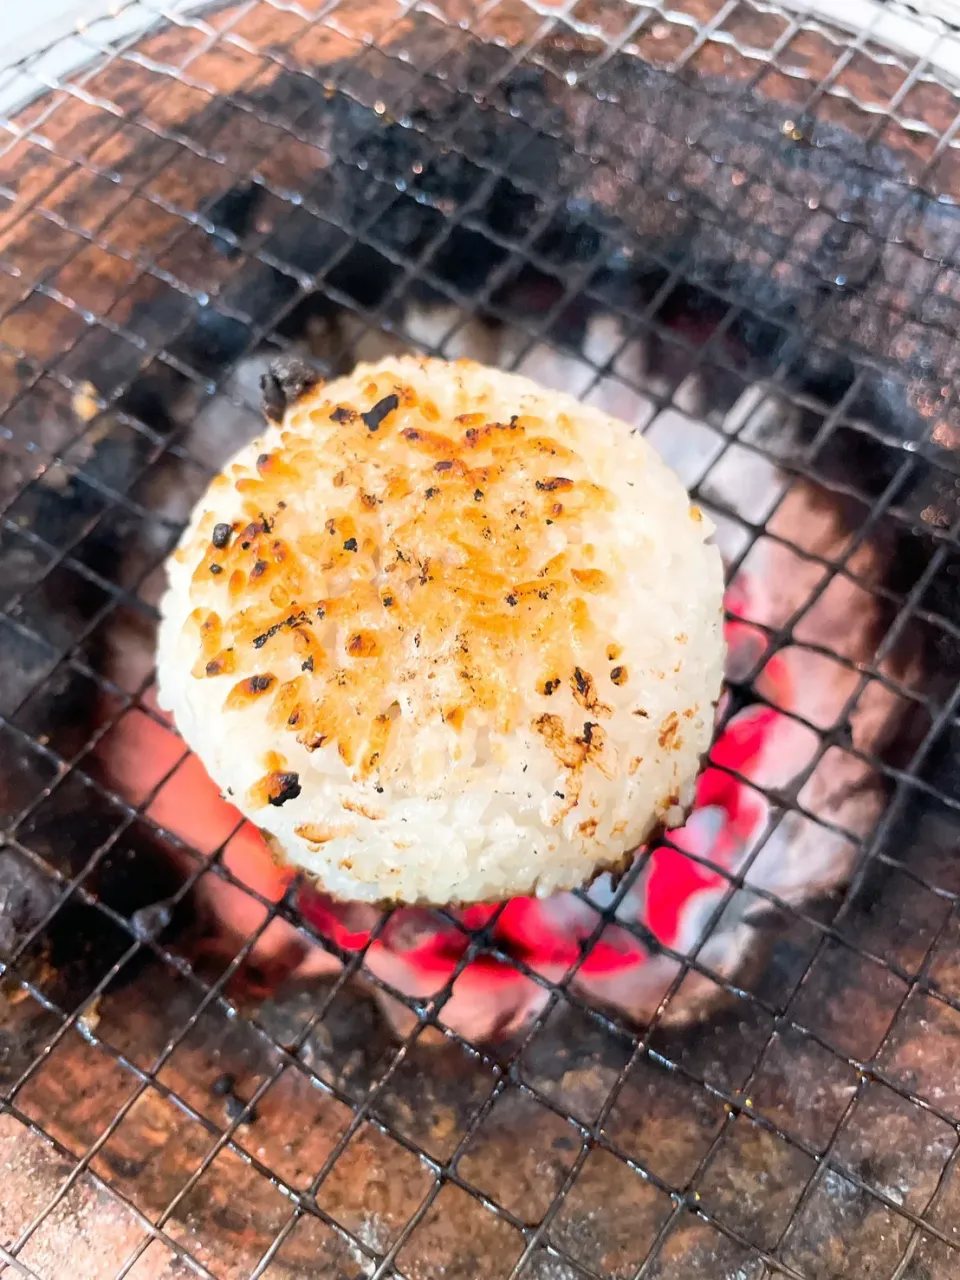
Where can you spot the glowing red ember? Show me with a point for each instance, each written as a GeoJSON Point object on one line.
{"type": "Point", "coordinates": [418, 951]}
{"type": "Point", "coordinates": [682, 901]}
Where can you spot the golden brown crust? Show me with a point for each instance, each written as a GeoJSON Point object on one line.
{"type": "Point", "coordinates": [432, 566]}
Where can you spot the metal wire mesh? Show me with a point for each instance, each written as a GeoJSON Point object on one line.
{"type": "Point", "coordinates": [812, 1132]}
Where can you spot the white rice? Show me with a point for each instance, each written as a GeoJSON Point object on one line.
{"type": "Point", "coordinates": [485, 636]}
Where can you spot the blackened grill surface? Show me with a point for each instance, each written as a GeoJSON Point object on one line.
{"type": "Point", "coordinates": [236, 180]}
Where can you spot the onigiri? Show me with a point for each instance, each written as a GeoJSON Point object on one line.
{"type": "Point", "coordinates": [445, 636]}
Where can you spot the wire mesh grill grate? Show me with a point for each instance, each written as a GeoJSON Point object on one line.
{"type": "Point", "coordinates": [812, 1131]}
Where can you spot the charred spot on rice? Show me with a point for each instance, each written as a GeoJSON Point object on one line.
{"type": "Point", "coordinates": [375, 416]}
{"type": "Point", "coordinates": [286, 787]}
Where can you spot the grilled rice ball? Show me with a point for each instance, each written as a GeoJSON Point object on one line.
{"type": "Point", "coordinates": [445, 636]}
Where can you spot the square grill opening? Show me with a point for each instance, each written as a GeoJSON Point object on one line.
{"type": "Point", "coordinates": [733, 226]}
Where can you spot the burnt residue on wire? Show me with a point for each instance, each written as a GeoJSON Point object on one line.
{"type": "Point", "coordinates": [286, 381]}
{"type": "Point", "coordinates": [234, 1106]}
